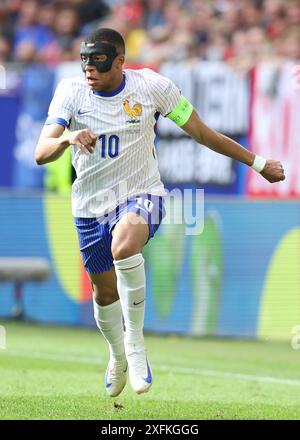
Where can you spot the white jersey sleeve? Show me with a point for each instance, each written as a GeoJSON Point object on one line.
{"type": "Point", "coordinates": [165, 93]}
{"type": "Point", "coordinates": [61, 107]}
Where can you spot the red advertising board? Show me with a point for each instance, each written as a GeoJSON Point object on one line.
{"type": "Point", "coordinates": [275, 125]}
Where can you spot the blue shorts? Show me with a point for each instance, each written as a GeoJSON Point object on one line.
{"type": "Point", "coordinates": [95, 234]}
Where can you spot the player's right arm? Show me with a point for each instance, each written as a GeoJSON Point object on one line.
{"type": "Point", "coordinates": [51, 144]}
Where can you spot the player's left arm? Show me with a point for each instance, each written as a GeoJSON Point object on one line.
{"type": "Point", "coordinates": [170, 103]}
{"type": "Point", "coordinates": [272, 170]}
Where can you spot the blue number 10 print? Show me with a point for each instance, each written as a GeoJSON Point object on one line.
{"type": "Point", "coordinates": [110, 148]}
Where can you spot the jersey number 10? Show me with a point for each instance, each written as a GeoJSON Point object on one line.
{"type": "Point", "coordinates": [110, 146]}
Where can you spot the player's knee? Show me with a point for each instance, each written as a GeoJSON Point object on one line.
{"type": "Point", "coordinates": [104, 295]}
{"type": "Point", "coordinates": [121, 250]}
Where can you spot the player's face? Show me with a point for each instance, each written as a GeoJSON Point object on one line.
{"type": "Point", "coordinates": [104, 81]}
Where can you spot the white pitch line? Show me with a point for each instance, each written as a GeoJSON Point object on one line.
{"type": "Point", "coordinates": [241, 376]}
{"type": "Point", "coordinates": [54, 356]}
{"type": "Point", "coordinates": [163, 368]}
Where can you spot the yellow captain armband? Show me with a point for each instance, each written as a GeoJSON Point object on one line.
{"type": "Point", "coordinates": [182, 112]}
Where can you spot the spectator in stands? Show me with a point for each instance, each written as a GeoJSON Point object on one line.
{"type": "Point", "coordinates": [257, 44]}
{"type": "Point", "coordinates": [291, 44]}
{"type": "Point", "coordinates": [154, 13]}
{"type": "Point", "coordinates": [89, 10]}
{"type": "Point", "coordinates": [51, 54]}
{"type": "Point", "coordinates": [217, 46]}
{"type": "Point", "coordinates": [230, 19]}
{"type": "Point", "coordinates": [47, 13]}
{"type": "Point", "coordinates": [274, 17]}
{"type": "Point", "coordinates": [201, 25]}
{"type": "Point", "coordinates": [5, 49]}
{"type": "Point", "coordinates": [28, 29]}
{"type": "Point", "coordinates": [293, 13]}
{"type": "Point", "coordinates": [156, 49]}
{"type": "Point", "coordinates": [27, 52]}
{"type": "Point", "coordinates": [173, 12]}
{"type": "Point", "coordinates": [67, 25]}
{"type": "Point", "coordinates": [6, 22]}
{"type": "Point", "coordinates": [155, 31]}
{"type": "Point", "coordinates": [252, 13]}
{"type": "Point", "coordinates": [272, 9]}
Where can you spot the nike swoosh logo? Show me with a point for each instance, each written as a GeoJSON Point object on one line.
{"type": "Point", "coordinates": [148, 379]}
{"type": "Point", "coordinates": [83, 113]}
{"type": "Point", "coordinates": [107, 384]}
{"type": "Point", "coordinates": [136, 304]}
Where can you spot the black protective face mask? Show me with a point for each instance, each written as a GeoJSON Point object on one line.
{"type": "Point", "coordinates": [98, 48]}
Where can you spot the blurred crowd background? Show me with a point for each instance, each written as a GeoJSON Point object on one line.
{"type": "Point", "coordinates": [240, 32]}
{"type": "Point", "coordinates": [237, 61]}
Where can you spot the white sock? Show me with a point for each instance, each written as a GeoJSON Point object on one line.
{"type": "Point", "coordinates": [131, 282]}
{"type": "Point", "coordinates": [109, 320]}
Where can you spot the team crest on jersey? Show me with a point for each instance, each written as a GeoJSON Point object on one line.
{"type": "Point", "coordinates": [133, 110]}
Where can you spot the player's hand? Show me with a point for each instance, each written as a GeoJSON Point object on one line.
{"type": "Point", "coordinates": [273, 171]}
{"type": "Point", "coordinates": [84, 139]}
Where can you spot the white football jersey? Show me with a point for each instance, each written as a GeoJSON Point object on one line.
{"type": "Point", "coordinates": [124, 162]}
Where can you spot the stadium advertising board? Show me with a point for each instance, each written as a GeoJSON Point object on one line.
{"type": "Point", "coordinates": [227, 281]}
{"type": "Point", "coordinates": [221, 97]}
{"type": "Point", "coordinates": [275, 127]}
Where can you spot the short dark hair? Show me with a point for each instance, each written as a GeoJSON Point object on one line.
{"type": "Point", "coordinates": [107, 35]}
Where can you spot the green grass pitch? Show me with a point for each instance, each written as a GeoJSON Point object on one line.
{"type": "Point", "coordinates": [58, 373]}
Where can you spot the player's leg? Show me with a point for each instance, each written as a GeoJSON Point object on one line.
{"type": "Point", "coordinates": [94, 242]}
{"type": "Point", "coordinates": [109, 319]}
{"type": "Point", "coordinates": [107, 310]}
{"type": "Point", "coordinates": [129, 236]}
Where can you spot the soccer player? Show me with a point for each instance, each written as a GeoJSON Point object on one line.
{"type": "Point", "coordinates": [117, 198]}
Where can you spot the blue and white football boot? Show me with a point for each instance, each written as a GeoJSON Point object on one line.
{"type": "Point", "coordinates": [140, 374]}
{"type": "Point", "coordinates": [115, 377]}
